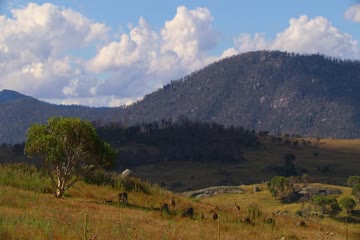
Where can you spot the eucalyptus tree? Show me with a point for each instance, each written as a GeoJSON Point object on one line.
{"type": "Point", "coordinates": [69, 149]}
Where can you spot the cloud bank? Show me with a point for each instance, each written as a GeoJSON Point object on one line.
{"type": "Point", "coordinates": [41, 51]}
{"type": "Point", "coordinates": [303, 35]}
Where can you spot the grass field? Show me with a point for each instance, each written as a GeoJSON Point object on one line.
{"type": "Point", "coordinates": [28, 213]}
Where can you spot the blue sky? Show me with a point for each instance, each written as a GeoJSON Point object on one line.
{"type": "Point", "coordinates": [110, 53]}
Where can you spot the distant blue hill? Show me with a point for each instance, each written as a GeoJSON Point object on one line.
{"type": "Point", "coordinates": [9, 95]}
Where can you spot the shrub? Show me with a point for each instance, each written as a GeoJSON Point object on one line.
{"type": "Point", "coordinates": [278, 185]}
{"type": "Point", "coordinates": [356, 190]}
{"type": "Point", "coordinates": [321, 201]}
{"type": "Point", "coordinates": [100, 177]}
{"type": "Point", "coordinates": [353, 180]}
{"type": "Point", "coordinates": [114, 180]}
{"type": "Point", "coordinates": [24, 176]}
{"type": "Point", "coordinates": [335, 207]}
{"type": "Point", "coordinates": [254, 211]}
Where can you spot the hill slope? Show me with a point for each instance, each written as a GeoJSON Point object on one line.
{"type": "Point", "coordinates": [9, 95]}
{"type": "Point", "coordinates": [18, 112]}
{"type": "Point", "coordinates": [28, 213]}
{"type": "Point", "coordinates": [275, 91]}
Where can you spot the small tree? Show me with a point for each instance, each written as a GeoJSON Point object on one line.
{"type": "Point", "coordinates": [321, 201]}
{"type": "Point", "coordinates": [335, 207]}
{"type": "Point", "coordinates": [353, 180]}
{"type": "Point", "coordinates": [347, 203]}
{"type": "Point", "coordinates": [278, 185]}
{"type": "Point", "coordinates": [356, 190]}
{"type": "Point", "coordinates": [69, 148]}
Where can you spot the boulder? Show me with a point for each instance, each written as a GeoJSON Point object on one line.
{"type": "Point", "coordinates": [127, 173]}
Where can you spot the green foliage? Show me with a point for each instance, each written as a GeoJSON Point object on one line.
{"type": "Point", "coordinates": [254, 211]}
{"type": "Point", "coordinates": [278, 185]}
{"type": "Point", "coordinates": [321, 201]}
{"type": "Point", "coordinates": [353, 180]}
{"type": "Point", "coordinates": [100, 177]}
{"type": "Point", "coordinates": [24, 176]}
{"type": "Point", "coordinates": [133, 184]}
{"type": "Point", "coordinates": [69, 148]}
{"type": "Point", "coordinates": [356, 190]}
{"type": "Point", "coordinates": [347, 203]}
{"type": "Point", "coordinates": [183, 140]}
{"type": "Point", "coordinates": [114, 180]}
{"type": "Point", "coordinates": [335, 207]}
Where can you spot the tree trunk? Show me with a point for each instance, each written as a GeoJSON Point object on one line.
{"type": "Point", "coordinates": [60, 188]}
{"type": "Point", "coordinates": [59, 193]}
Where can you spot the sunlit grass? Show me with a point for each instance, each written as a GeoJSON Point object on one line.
{"type": "Point", "coordinates": [26, 212]}
{"type": "Point", "coordinates": [24, 176]}
{"type": "Point", "coordinates": [30, 215]}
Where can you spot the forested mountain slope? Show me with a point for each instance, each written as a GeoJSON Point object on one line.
{"type": "Point", "coordinates": [309, 95]}
{"type": "Point", "coordinates": [281, 92]}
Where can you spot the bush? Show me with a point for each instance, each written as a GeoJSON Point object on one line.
{"type": "Point", "coordinates": [254, 211]}
{"type": "Point", "coordinates": [353, 180]}
{"type": "Point", "coordinates": [114, 180]}
{"type": "Point", "coordinates": [356, 190]}
{"type": "Point", "coordinates": [24, 176]}
{"type": "Point", "coordinates": [100, 177]}
{"type": "Point", "coordinates": [321, 201]}
{"type": "Point", "coordinates": [133, 184]}
{"type": "Point", "coordinates": [278, 185]}
{"type": "Point", "coordinates": [335, 207]}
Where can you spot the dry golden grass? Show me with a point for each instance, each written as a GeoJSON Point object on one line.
{"type": "Point", "coordinates": [341, 145]}
{"type": "Point", "coordinates": [30, 215]}
{"type": "Point", "coordinates": [27, 214]}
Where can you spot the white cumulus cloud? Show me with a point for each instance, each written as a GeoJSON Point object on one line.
{"type": "Point", "coordinates": [144, 60]}
{"type": "Point", "coordinates": [189, 33]}
{"type": "Point", "coordinates": [353, 13]}
{"type": "Point", "coordinates": [138, 46]}
{"type": "Point", "coordinates": [35, 44]}
{"type": "Point", "coordinates": [41, 46]}
{"type": "Point", "coordinates": [304, 35]}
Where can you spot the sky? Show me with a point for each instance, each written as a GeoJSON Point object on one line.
{"type": "Point", "coordinates": [112, 53]}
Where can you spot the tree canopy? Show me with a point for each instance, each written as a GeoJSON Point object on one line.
{"type": "Point", "coordinates": [347, 203]}
{"type": "Point", "coordinates": [278, 185]}
{"type": "Point", "coordinates": [69, 148]}
{"type": "Point", "coordinates": [353, 180]}
{"type": "Point", "coordinates": [324, 201]}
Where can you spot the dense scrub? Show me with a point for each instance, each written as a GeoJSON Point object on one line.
{"type": "Point", "coordinates": [178, 141]}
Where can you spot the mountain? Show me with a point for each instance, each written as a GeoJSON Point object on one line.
{"type": "Point", "coordinates": [310, 95]}
{"type": "Point", "coordinates": [18, 112]}
{"type": "Point", "coordinates": [9, 95]}
{"type": "Point", "coordinates": [279, 92]}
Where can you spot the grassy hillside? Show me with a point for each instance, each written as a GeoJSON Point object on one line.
{"type": "Point", "coordinates": [28, 213]}
{"type": "Point", "coordinates": [327, 160]}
